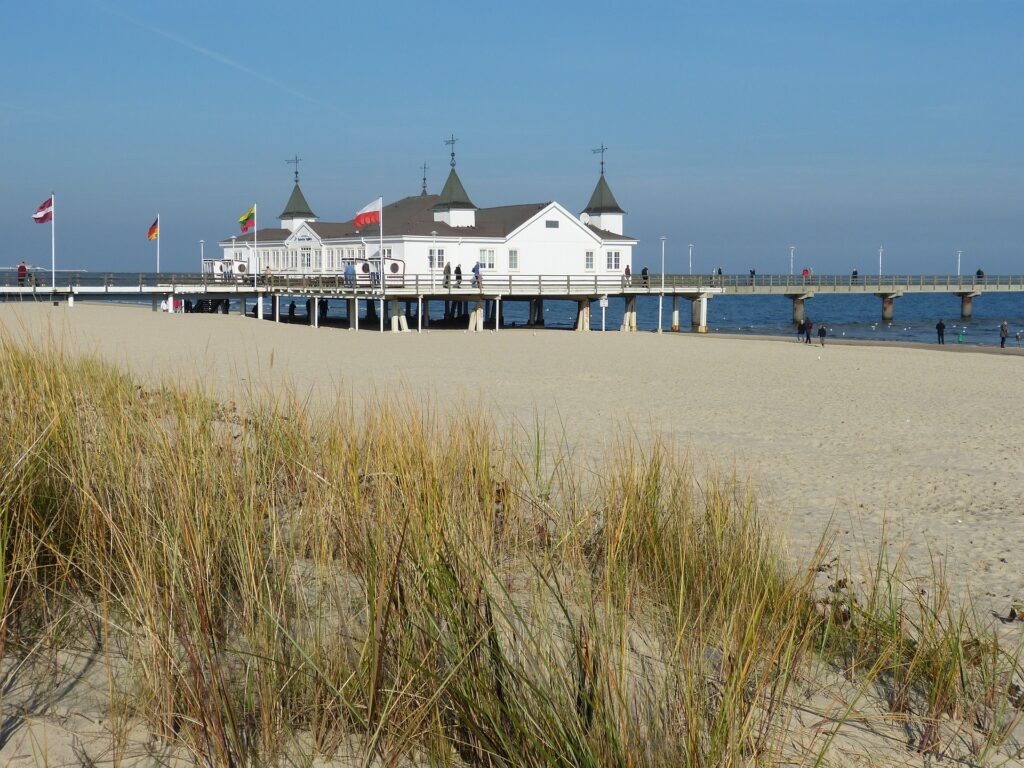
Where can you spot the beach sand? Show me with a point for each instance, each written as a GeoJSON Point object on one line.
{"type": "Point", "coordinates": [843, 438]}
{"type": "Point", "coordinates": [920, 446]}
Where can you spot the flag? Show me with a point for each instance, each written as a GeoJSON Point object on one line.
{"type": "Point", "coordinates": [154, 231]}
{"type": "Point", "coordinates": [248, 220]}
{"type": "Point", "coordinates": [370, 214]}
{"type": "Point", "coordinates": [45, 212]}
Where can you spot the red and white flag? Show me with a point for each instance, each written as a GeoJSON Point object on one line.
{"type": "Point", "coordinates": [370, 214]}
{"type": "Point", "coordinates": [45, 212]}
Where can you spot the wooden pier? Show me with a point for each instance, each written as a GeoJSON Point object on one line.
{"type": "Point", "coordinates": [493, 290]}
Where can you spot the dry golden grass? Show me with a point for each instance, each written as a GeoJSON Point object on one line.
{"type": "Point", "coordinates": [436, 594]}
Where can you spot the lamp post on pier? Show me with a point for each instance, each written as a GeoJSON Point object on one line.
{"type": "Point", "coordinates": [661, 296]}
{"type": "Point", "coordinates": [792, 250]}
{"type": "Point", "coordinates": [202, 254]}
{"type": "Point", "coordinates": [881, 250]}
{"type": "Point", "coordinates": [958, 262]}
{"type": "Point", "coordinates": [691, 258]}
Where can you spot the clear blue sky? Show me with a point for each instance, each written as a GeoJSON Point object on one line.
{"type": "Point", "coordinates": [740, 127]}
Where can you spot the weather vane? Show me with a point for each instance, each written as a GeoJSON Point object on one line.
{"type": "Point", "coordinates": [451, 143]}
{"type": "Point", "coordinates": [600, 151]}
{"type": "Point", "coordinates": [425, 169]}
{"type": "Point", "coordinates": [295, 161]}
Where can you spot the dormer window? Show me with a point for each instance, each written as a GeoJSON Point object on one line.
{"type": "Point", "coordinates": [551, 224]}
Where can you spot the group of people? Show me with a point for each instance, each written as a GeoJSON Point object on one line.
{"type": "Point", "coordinates": [804, 328]}
{"type": "Point", "coordinates": [477, 281]}
{"type": "Point", "coordinates": [1004, 334]}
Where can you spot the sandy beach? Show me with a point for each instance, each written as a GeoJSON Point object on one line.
{"type": "Point", "coordinates": [847, 436]}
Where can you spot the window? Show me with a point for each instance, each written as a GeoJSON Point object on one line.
{"type": "Point", "coordinates": [318, 259]}
{"type": "Point", "coordinates": [436, 258]}
{"type": "Point", "coordinates": [588, 261]}
{"type": "Point", "coordinates": [551, 224]}
{"type": "Point", "coordinates": [487, 258]}
{"type": "Point", "coordinates": [307, 257]}
{"type": "Point", "coordinates": [513, 259]}
{"type": "Point", "coordinates": [613, 260]}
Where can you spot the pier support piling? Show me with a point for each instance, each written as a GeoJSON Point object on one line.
{"type": "Point", "coordinates": [888, 305]}
{"type": "Point", "coordinates": [798, 310]}
{"type": "Point", "coordinates": [399, 321]}
{"type": "Point", "coordinates": [536, 312]}
{"type": "Point", "coordinates": [629, 315]}
{"type": "Point", "coordinates": [967, 305]}
{"type": "Point", "coordinates": [583, 315]}
{"type": "Point", "coordinates": [259, 306]}
{"type": "Point", "coordinates": [241, 305]}
{"type": "Point", "coordinates": [275, 303]}
{"type": "Point", "coordinates": [675, 313]}
{"type": "Point", "coordinates": [699, 314]}
{"type": "Point", "coordinates": [476, 317]}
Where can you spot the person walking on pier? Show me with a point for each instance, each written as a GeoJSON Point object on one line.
{"type": "Point", "coordinates": [1004, 331]}
{"type": "Point", "coordinates": [808, 326]}
{"type": "Point", "coordinates": [476, 275]}
{"type": "Point", "coordinates": [628, 275]}
{"type": "Point", "coordinates": [458, 275]}
{"type": "Point", "coordinates": [940, 330]}
{"type": "Point", "coordinates": [447, 274]}
{"type": "Point", "coordinates": [22, 272]}
{"type": "Point", "coordinates": [821, 334]}
{"type": "Point", "coordinates": [645, 276]}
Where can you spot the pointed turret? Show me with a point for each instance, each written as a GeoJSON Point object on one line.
{"type": "Point", "coordinates": [454, 207]}
{"type": "Point", "coordinates": [296, 210]}
{"type": "Point", "coordinates": [603, 210]}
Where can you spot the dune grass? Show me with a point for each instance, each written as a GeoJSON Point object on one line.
{"type": "Point", "coordinates": [378, 581]}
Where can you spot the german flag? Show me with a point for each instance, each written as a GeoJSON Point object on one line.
{"type": "Point", "coordinates": [248, 220]}
{"type": "Point", "coordinates": [154, 231]}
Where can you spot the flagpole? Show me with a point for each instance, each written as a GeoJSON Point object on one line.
{"type": "Point", "coordinates": [53, 241]}
{"type": "Point", "coordinates": [255, 243]}
{"type": "Point", "coordinates": [158, 243]}
{"type": "Point", "coordinates": [383, 279]}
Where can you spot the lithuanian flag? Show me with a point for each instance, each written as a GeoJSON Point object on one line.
{"type": "Point", "coordinates": [248, 220]}
{"type": "Point", "coordinates": [154, 231]}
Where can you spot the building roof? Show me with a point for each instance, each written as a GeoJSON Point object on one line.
{"type": "Point", "coordinates": [454, 194]}
{"type": "Point", "coordinates": [602, 201]}
{"type": "Point", "coordinates": [414, 217]}
{"type": "Point", "coordinates": [297, 207]}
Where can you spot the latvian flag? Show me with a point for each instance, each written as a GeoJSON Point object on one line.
{"type": "Point", "coordinates": [248, 220]}
{"type": "Point", "coordinates": [154, 231]}
{"type": "Point", "coordinates": [45, 212]}
{"type": "Point", "coordinates": [370, 214]}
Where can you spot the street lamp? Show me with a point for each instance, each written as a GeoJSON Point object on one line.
{"type": "Point", "coordinates": [792, 250]}
{"type": "Point", "coordinates": [202, 254]}
{"type": "Point", "coordinates": [433, 256]}
{"type": "Point", "coordinates": [691, 258]}
{"type": "Point", "coordinates": [661, 296]}
{"type": "Point", "coordinates": [881, 250]}
{"type": "Point", "coordinates": [958, 262]}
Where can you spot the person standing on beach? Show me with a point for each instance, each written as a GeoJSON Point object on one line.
{"type": "Point", "coordinates": [821, 334]}
{"type": "Point", "coordinates": [1004, 331]}
{"type": "Point", "coordinates": [800, 330]}
{"type": "Point", "coordinates": [940, 329]}
{"type": "Point", "coordinates": [807, 331]}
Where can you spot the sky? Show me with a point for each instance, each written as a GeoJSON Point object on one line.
{"type": "Point", "coordinates": [740, 127]}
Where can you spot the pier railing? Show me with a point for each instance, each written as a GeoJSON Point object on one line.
{"type": "Point", "coordinates": [513, 284]}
